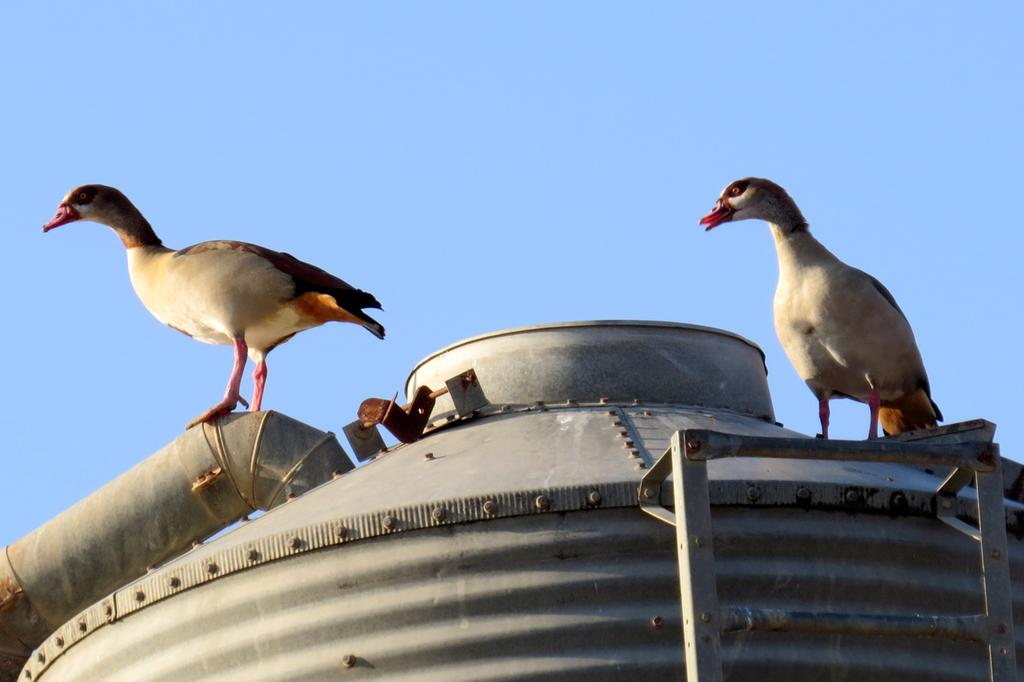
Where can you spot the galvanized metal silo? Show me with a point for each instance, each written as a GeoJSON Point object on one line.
{"type": "Point", "coordinates": [509, 543]}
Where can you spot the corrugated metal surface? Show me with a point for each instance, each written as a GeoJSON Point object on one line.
{"type": "Point", "coordinates": [510, 546]}
{"type": "Point", "coordinates": [553, 597]}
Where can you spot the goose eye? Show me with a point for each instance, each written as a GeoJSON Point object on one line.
{"type": "Point", "coordinates": [82, 196]}
{"type": "Point", "coordinates": [736, 191]}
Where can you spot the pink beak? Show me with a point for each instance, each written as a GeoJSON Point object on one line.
{"type": "Point", "coordinates": [721, 213]}
{"type": "Point", "coordinates": [65, 214]}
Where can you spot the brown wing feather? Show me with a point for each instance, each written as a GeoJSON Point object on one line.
{"type": "Point", "coordinates": [307, 278]}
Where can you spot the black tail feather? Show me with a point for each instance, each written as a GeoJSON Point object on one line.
{"type": "Point", "coordinates": [372, 325]}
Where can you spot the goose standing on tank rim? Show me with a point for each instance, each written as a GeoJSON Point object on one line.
{"type": "Point", "coordinates": [840, 327]}
{"type": "Point", "coordinates": [222, 292]}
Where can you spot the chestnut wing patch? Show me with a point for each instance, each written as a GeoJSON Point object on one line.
{"type": "Point", "coordinates": [307, 278]}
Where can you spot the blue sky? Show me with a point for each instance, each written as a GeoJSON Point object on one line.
{"type": "Point", "coordinates": [479, 166]}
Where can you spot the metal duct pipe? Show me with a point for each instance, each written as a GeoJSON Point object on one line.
{"type": "Point", "coordinates": [201, 482]}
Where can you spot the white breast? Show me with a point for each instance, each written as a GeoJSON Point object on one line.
{"type": "Point", "coordinates": [839, 331]}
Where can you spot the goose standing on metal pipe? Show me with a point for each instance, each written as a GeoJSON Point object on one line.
{"type": "Point", "coordinates": [840, 327]}
{"type": "Point", "coordinates": [222, 292]}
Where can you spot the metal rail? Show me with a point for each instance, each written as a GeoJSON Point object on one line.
{"type": "Point", "coordinates": [704, 621]}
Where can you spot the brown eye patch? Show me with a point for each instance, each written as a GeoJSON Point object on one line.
{"type": "Point", "coordinates": [84, 195]}
{"type": "Point", "coordinates": [737, 189]}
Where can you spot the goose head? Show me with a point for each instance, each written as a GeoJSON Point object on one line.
{"type": "Point", "coordinates": [97, 203]}
{"type": "Point", "coordinates": [754, 198]}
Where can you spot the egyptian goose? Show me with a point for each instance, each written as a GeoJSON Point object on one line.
{"type": "Point", "coordinates": [840, 327]}
{"type": "Point", "coordinates": [222, 292]}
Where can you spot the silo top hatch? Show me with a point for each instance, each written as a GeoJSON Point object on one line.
{"type": "Point", "coordinates": [616, 361]}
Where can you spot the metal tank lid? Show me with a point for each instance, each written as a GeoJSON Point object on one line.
{"type": "Point", "coordinates": [607, 361]}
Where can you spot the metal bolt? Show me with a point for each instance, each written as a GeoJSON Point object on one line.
{"type": "Point", "coordinates": [611, 413]}
{"type": "Point", "coordinates": [389, 522]}
{"type": "Point", "coordinates": [996, 554]}
{"type": "Point", "coordinates": [628, 444]}
{"type": "Point", "coordinates": [174, 582]}
{"type": "Point", "coordinates": [109, 610]}
{"type": "Point", "coordinates": [542, 502]}
{"type": "Point", "coordinates": [41, 657]}
{"type": "Point", "coordinates": [946, 503]}
{"type": "Point", "coordinates": [803, 494]}
{"type": "Point", "coordinates": [1004, 651]}
{"type": "Point", "coordinates": [623, 433]}
{"type": "Point", "coordinates": [645, 413]}
{"type": "Point", "coordinates": [335, 474]}
{"type": "Point", "coordinates": [59, 641]}
{"type": "Point", "coordinates": [253, 555]}
{"type": "Point", "coordinates": [490, 507]}
{"type": "Point", "coordinates": [640, 465]}
{"type": "Point", "coordinates": [437, 513]}
{"type": "Point", "coordinates": [753, 493]}
{"type": "Point", "coordinates": [618, 422]}
{"type": "Point", "coordinates": [571, 403]}
{"type": "Point", "coordinates": [603, 401]}
{"type": "Point", "coordinates": [348, 661]}
{"type": "Point", "coordinates": [539, 405]}
{"type": "Point", "coordinates": [699, 541]}
{"type": "Point", "coordinates": [139, 596]}
{"type": "Point", "coordinates": [657, 622]}
{"type": "Point", "coordinates": [197, 543]}
{"type": "Point", "coordinates": [633, 452]}
{"type": "Point", "coordinates": [648, 493]}
{"type": "Point", "coordinates": [1001, 629]}
{"type": "Point", "coordinates": [427, 456]}
{"type": "Point", "coordinates": [705, 617]}
{"type": "Point", "coordinates": [295, 543]}
{"type": "Point", "coordinates": [82, 627]}
{"type": "Point", "coordinates": [593, 497]}
{"type": "Point", "coordinates": [693, 444]}
{"type": "Point", "coordinates": [852, 497]}
{"type": "Point", "coordinates": [212, 568]}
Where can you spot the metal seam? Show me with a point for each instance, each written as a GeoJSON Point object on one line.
{"type": "Point", "coordinates": [286, 479]}
{"type": "Point", "coordinates": [257, 448]}
{"type": "Point", "coordinates": [220, 454]}
{"type": "Point", "coordinates": [503, 409]}
{"type": "Point", "coordinates": [629, 423]}
{"type": "Point", "coordinates": [17, 578]}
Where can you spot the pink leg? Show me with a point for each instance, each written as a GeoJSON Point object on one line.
{"type": "Point", "coordinates": [823, 413]}
{"type": "Point", "coordinates": [874, 400]}
{"type": "Point", "coordinates": [231, 394]}
{"type": "Point", "coordinates": [259, 378]}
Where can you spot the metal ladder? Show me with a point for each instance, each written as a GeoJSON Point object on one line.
{"type": "Point", "coordinates": [704, 620]}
